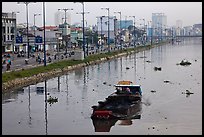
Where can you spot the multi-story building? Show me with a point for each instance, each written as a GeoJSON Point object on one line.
{"type": "Point", "coordinates": [179, 27]}
{"type": "Point", "coordinates": [124, 24]}
{"type": "Point", "coordinates": [102, 26]}
{"type": "Point", "coordinates": [159, 20]}
{"type": "Point", "coordinates": [8, 31]}
{"type": "Point", "coordinates": [197, 29]}
{"type": "Point", "coordinates": [188, 30]}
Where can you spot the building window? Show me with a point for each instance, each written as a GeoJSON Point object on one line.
{"type": "Point", "coordinates": [12, 29]}
{"type": "Point", "coordinates": [4, 29]}
{"type": "Point", "coordinates": [4, 38]}
{"type": "Point", "coordinates": [7, 29]}
{"type": "Point", "coordinates": [8, 38]}
{"type": "Point", "coordinates": [12, 37]}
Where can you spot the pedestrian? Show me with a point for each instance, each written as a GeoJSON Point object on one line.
{"type": "Point", "coordinates": [9, 61]}
{"type": "Point", "coordinates": [7, 66]}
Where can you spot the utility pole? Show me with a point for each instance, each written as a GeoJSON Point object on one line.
{"type": "Point", "coordinates": [34, 27]}
{"type": "Point", "coordinates": [120, 29]}
{"type": "Point", "coordinates": [134, 30]}
{"type": "Point", "coordinates": [108, 29]}
{"type": "Point", "coordinates": [26, 3]}
{"type": "Point", "coordinates": [65, 25]}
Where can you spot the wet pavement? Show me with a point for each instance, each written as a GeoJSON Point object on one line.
{"type": "Point", "coordinates": [165, 109]}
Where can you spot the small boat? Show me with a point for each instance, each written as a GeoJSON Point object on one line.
{"type": "Point", "coordinates": [123, 103]}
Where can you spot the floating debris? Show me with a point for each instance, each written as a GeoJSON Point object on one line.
{"type": "Point", "coordinates": [153, 91]}
{"type": "Point", "coordinates": [52, 100]}
{"type": "Point", "coordinates": [157, 68]}
{"type": "Point", "coordinates": [188, 93]}
{"type": "Point", "coordinates": [148, 61]}
{"type": "Point", "coordinates": [166, 81]}
{"type": "Point", "coordinates": [185, 62]}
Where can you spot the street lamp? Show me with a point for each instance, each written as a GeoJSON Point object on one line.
{"type": "Point", "coordinates": [83, 27]}
{"type": "Point", "coordinates": [134, 29]}
{"type": "Point", "coordinates": [44, 33]}
{"type": "Point", "coordinates": [14, 31]}
{"type": "Point", "coordinates": [34, 26]}
{"type": "Point", "coordinates": [26, 3]}
{"type": "Point", "coordinates": [65, 10]}
{"type": "Point", "coordinates": [108, 29]}
{"type": "Point", "coordinates": [144, 32]}
{"type": "Point", "coordinates": [120, 29]}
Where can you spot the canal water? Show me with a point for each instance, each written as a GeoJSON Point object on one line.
{"type": "Point", "coordinates": [165, 108]}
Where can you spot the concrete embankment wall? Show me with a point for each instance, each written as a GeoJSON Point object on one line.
{"type": "Point", "coordinates": [21, 82]}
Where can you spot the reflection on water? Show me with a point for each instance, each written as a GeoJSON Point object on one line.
{"type": "Point", "coordinates": [104, 125]}
{"type": "Point", "coordinates": [46, 108]}
{"type": "Point", "coordinates": [25, 110]}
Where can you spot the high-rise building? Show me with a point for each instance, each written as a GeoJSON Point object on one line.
{"type": "Point", "coordinates": [159, 21]}
{"type": "Point", "coordinates": [178, 27]}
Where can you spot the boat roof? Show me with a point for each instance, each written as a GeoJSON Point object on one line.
{"type": "Point", "coordinates": [125, 82]}
{"type": "Point", "coordinates": [117, 85]}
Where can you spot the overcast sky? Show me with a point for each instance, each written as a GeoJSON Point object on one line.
{"type": "Point", "coordinates": [189, 12]}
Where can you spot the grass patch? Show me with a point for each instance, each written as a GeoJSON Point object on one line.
{"type": "Point", "coordinates": [8, 76]}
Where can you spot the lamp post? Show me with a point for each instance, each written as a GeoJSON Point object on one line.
{"type": "Point", "coordinates": [44, 33]}
{"type": "Point", "coordinates": [26, 3]}
{"type": "Point", "coordinates": [14, 31]}
{"type": "Point", "coordinates": [148, 28]}
{"type": "Point", "coordinates": [65, 23]}
{"type": "Point", "coordinates": [108, 29]}
{"type": "Point", "coordinates": [144, 32]}
{"type": "Point", "coordinates": [83, 28]}
{"type": "Point", "coordinates": [65, 15]}
{"type": "Point", "coordinates": [34, 26]}
{"type": "Point", "coordinates": [120, 29]}
{"type": "Point", "coordinates": [101, 30]}
{"type": "Point", "coordinates": [134, 30]}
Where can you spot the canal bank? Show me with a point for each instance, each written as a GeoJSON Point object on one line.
{"type": "Point", "coordinates": [20, 81]}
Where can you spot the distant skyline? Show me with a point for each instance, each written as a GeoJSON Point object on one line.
{"type": "Point", "coordinates": [188, 12]}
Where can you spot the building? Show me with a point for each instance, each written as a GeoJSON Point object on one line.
{"type": "Point", "coordinates": [197, 29]}
{"type": "Point", "coordinates": [8, 31]}
{"type": "Point", "coordinates": [188, 30]}
{"type": "Point", "coordinates": [159, 21]}
{"type": "Point", "coordinates": [179, 27]}
{"type": "Point", "coordinates": [102, 27]}
{"type": "Point", "coordinates": [124, 24]}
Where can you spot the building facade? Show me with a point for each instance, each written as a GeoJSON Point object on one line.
{"type": "Point", "coordinates": [159, 21]}
{"type": "Point", "coordinates": [102, 26]}
{"type": "Point", "coordinates": [8, 31]}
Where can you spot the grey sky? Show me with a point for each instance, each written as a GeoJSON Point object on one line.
{"type": "Point", "coordinates": [189, 12]}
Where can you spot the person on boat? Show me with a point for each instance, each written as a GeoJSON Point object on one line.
{"type": "Point", "coordinates": [128, 90]}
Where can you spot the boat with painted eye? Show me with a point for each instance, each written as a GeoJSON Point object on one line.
{"type": "Point", "coordinates": [123, 103]}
